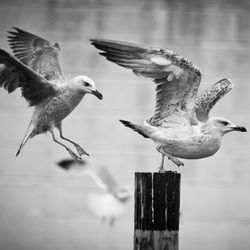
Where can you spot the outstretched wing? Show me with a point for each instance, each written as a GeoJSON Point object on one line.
{"type": "Point", "coordinates": [100, 174]}
{"type": "Point", "coordinates": [37, 53]}
{"type": "Point", "coordinates": [205, 101]}
{"type": "Point", "coordinates": [13, 74]}
{"type": "Point", "coordinates": [177, 79]}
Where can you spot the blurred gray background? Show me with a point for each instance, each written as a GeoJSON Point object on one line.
{"type": "Point", "coordinates": [44, 208]}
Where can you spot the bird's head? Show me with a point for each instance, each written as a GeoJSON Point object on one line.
{"type": "Point", "coordinates": [224, 126]}
{"type": "Point", "coordinates": [87, 85]}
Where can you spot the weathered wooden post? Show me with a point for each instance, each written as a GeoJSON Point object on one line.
{"type": "Point", "coordinates": [156, 218]}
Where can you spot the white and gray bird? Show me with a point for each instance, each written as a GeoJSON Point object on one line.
{"type": "Point", "coordinates": [113, 201]}
{"type": "Point", "coordinates": [36, 71]}
{"type": "Point", "coordinates": [181, 126]}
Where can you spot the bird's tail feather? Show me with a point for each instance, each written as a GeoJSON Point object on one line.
{"type": "Point", "coordinates": [28, 135]}
{"type": "Point", "coordinates": [139, 129]}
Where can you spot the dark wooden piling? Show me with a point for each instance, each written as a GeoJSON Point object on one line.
{"type": "Point", "coordinates": [156, 218]}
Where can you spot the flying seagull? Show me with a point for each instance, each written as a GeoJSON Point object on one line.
{"type": "Point", "coordinates": [36, 71]}
{"type": "Point", "coordinates": [181, 126]}
{"type": "Point", "coordinates": [110, 204]}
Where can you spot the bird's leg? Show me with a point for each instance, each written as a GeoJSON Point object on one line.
{"type": "Point", "coordinates": [172, 158]}
{"type": "Point", "coordinates": [73, 155]}
{"type": "Point", "coordinates": [79, 149]}
{"type": "Point", "coordinates": [161, 168]}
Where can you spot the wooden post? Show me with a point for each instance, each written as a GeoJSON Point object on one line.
{"type": "Point", "coordinates": [156, 218]}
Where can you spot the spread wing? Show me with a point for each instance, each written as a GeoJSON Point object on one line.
{"type": "Point", "coordinates": [206, 100]}
{"type": "Point", "coordinates": [13, 74]}
{"type": "Point", "coordinates": [100, 174]}
{"type": "Point", "coordinates": [37, 53]}
{"type": "Point", "coordinates": [177, 79]}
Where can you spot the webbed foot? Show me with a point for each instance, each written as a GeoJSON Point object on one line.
{"type": "Point", "coordinates": [162, 170]}
{"type": "Point", "coordinates": [80, 150]}
{"type": "Point", "coordinates": [74, 155]}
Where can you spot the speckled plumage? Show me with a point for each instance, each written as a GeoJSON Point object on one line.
{"type": "Point", "coordinates": [55, 109]}
{"type": "Point", "coordinates": [180, 125]}
{"type": "Point", "coordinates": [36, 71]}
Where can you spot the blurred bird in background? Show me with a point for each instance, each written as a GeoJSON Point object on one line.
{"type": "Point", "coordinates": [181, 126]}
{"type": "Point", "coordinates": [110, 204]}
{"type": "Point", "coordinates": [35, 69]}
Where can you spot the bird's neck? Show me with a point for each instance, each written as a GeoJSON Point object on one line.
{"type": "Point", "coordinates": [210, 129]}
{"type": "Point", "coordinates": [73, 97]}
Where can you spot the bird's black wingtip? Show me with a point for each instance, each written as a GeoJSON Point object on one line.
{"type": "Point", "coordinates": [93, 41]}
{"type": "Point", "coordinates": [69, 163]}
{"type": "Point", "coordinates": [102, 42]}
{"type": "Point", "coordinates": [13, 33]}
{"type": "Point", "coordinates": [66, 164]}
{"type": "Point", "coordinates": [16, 29]}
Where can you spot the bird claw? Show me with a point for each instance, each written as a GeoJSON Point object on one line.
{"type": "Point", "coordinates": [73, 155]}
{"type": "Point", "coordinates": [81, 151]}
{"type": "Point", "coordinates": [162, 170]}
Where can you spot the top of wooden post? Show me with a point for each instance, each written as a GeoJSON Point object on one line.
{"type": "Point", "coordinates": [157, 201]}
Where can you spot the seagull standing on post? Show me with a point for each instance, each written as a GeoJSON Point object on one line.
{"type": "Point", "coordinates": [36, 71]}
{"type": "Point", "coordinates": [180, 126]}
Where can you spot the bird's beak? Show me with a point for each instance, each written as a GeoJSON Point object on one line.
{"type": "Point", "coordinates": [97, 94]}
{"type": "Point", "coordinates": [239, 128]}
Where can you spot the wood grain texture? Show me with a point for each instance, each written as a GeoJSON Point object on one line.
{"type": "Point", "coordinates": [157, 204]}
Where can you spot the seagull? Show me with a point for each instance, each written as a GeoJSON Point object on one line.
{"type": "Point", "coordinates": [35, 69]}
{"type": "Point", "coordinates": [181, 126]}
{"type": "Point", "coordinates": [110, 204]}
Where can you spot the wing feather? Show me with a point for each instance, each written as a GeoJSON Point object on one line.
{"type": "Point", "coordinates": [14, 74]}
{"type": "Point", "coordinates": [177, 79]}
{"type": "Point", "coordinates": [205, 101]}
{"type": "Point", "coordinates": [37, 53]}
{"type": "Point", "coordinates": [100, 174]}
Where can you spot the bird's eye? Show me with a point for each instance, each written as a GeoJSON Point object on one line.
{"type": "Point", "coordinates": [224, 123]}
{"type": "Point", "coordinates": [86, 84]}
